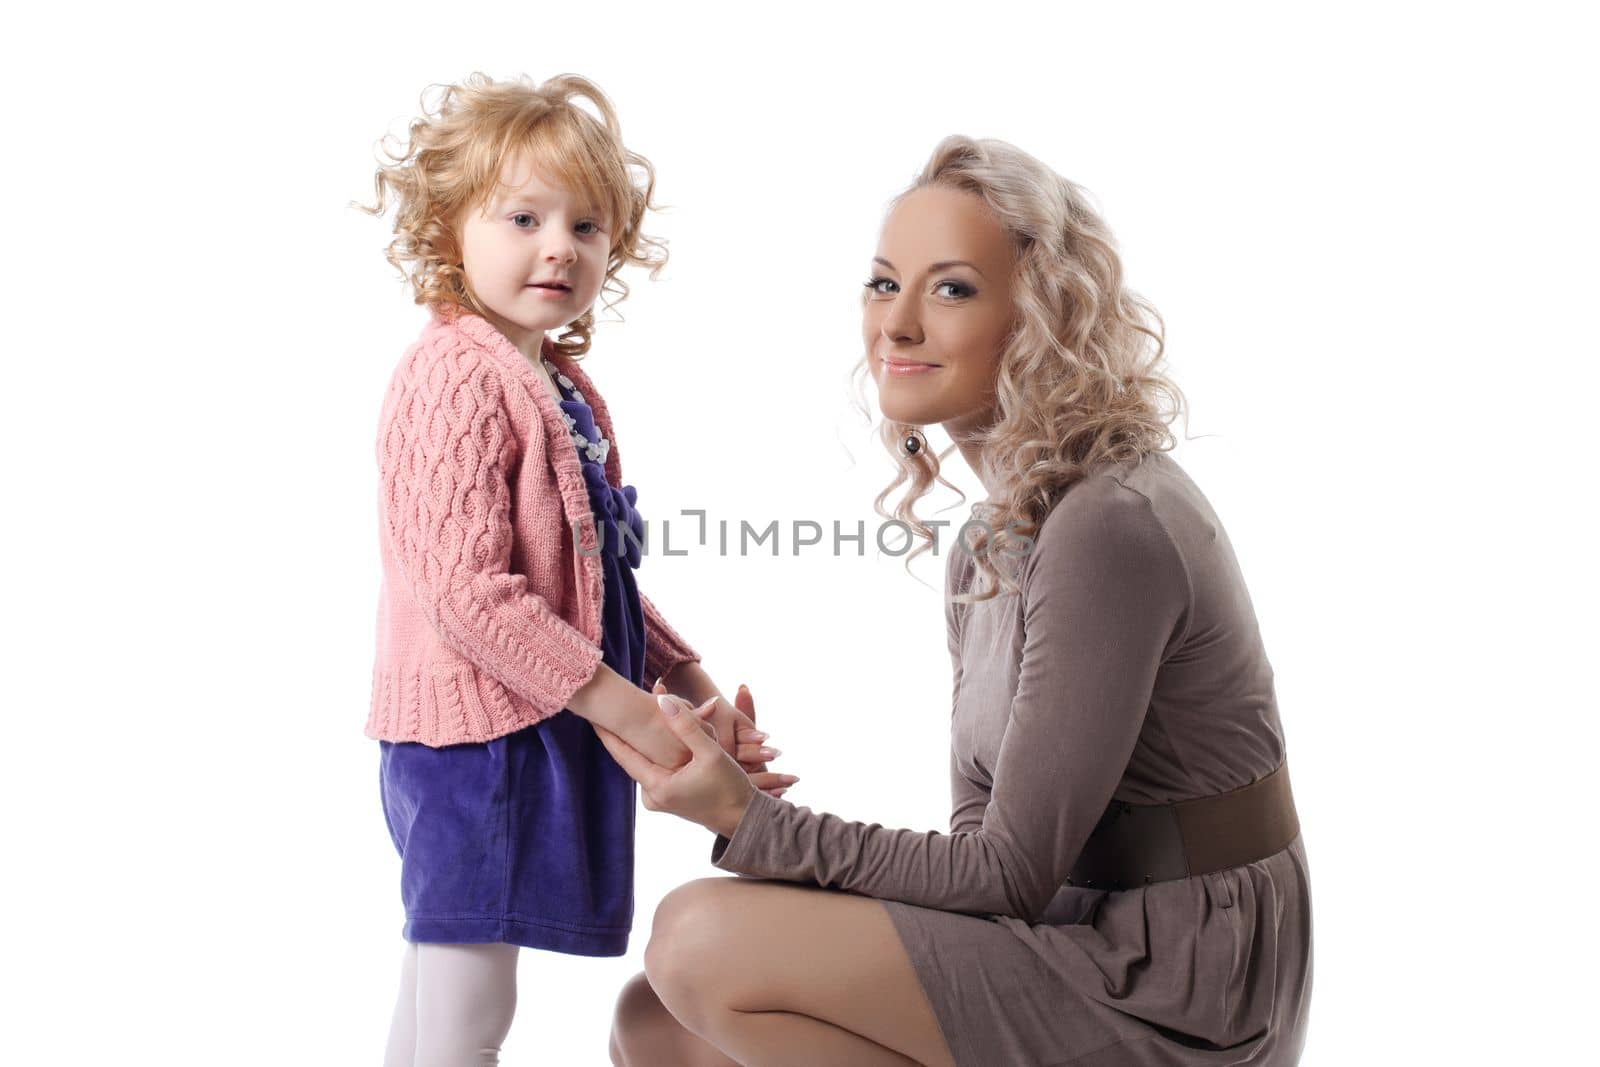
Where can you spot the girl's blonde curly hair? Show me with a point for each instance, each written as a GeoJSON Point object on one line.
{"type": "Point", "coordinates": [1079, 379]}
{"type": "Point", "coordinates": [452, 161]}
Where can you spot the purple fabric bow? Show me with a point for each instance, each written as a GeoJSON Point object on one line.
{"type": "Point", "coordinates": [616, 508]}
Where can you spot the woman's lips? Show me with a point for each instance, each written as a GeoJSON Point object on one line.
{"type": "Point", "coordinates": [905, 368]}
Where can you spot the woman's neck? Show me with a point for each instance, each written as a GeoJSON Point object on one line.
{"type": "Point", "coordinates": [967, 434]}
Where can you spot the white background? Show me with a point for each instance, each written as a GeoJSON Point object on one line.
{"type": "Point", "coordinates": [1371, 232]}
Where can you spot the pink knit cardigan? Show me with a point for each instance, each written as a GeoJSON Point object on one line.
{"type": "Point", "coordinates": [488, 615]}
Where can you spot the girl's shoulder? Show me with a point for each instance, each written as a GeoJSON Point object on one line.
{"type": "Point", "coordinates": [466, 340]}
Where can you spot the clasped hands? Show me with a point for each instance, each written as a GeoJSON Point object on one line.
{"type": "Point", "coordinates": [725, 768]}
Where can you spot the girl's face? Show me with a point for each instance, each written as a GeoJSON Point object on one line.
{"type": "Point", "coordinates": [938, 309]}
{"type": "Point", "coordinates": [534, 254]}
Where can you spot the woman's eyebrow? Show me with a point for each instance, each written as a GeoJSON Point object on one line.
{"type": "Point", "coordinates": [941, 265]}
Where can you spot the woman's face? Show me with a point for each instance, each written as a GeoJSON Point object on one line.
{"type": "Point", "coordinates": [938, 309]}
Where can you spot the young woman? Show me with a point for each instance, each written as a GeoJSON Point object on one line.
{"type": "Point", "coordinates": [1124, 881]}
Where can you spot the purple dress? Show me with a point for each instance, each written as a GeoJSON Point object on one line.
{"type": "Point", "coordinates": [528, 839]}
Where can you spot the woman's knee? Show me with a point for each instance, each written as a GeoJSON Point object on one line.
{"type": "Point", "coordinates": [641, 1026]}
{"type": "Point", "coordinates": [683, 938]}
{"type": "Point", "coordinates": [693, 912]}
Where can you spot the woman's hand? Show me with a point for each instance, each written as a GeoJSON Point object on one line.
{"type": "Point", "coordinates": [711, 789]}
{"type": "Point", "coordinates": [733, 726]}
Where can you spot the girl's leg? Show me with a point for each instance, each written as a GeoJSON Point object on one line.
{"type": "Point", "coordinates": [466, 997]}
{"type": "Point", "coordinates": [402, 1050]}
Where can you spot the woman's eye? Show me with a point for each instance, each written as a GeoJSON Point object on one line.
{"type": "Point", "coordinates": [873, 283]}
{"type": "Point", "coordinates": [961, 289]}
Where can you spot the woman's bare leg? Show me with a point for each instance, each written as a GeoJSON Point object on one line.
{"type": "Point", "coordinates": [774, 973]}
{"type": "Point", "coordinates": [644, 1033]}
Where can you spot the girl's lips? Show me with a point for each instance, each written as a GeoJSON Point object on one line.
{"type": "Point", "coordinates": [550, 293]}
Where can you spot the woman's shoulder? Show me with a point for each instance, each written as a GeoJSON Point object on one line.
{"type": "Point", "coordinates": [1110, 509]}
{"type": "Point", "coordinates": [1114, 499]}
{"type": "Point", "coordinates": [1117, 517]}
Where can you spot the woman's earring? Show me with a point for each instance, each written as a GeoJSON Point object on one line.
{"type": "Point", "coordinates": [912, 442]}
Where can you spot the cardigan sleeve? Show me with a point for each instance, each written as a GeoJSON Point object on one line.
{"type": "Point", "coordinates": [1105, 599]}
{"type": "Point", "coordinates": [664, 649]}
{"type": "Point", "coordinates": [446, 447]}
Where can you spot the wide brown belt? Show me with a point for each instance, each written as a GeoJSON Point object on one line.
{"type": "Point", "coordinates": [1136, 844]}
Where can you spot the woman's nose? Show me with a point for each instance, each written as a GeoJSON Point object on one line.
{"type": "Point", "coordinates": [901, 324]}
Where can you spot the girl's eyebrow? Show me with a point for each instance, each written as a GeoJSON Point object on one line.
{"type": "Point", "coordinates": [941, 265]}
{"type": "Point", "coordinates": [505, 200]}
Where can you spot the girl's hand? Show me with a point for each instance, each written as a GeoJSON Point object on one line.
{"type": "Point", "coordinates": [711, 789]}
{"type": "Point", "coordinates": [733, 726]}
{"type": "Point", "coordinates": [745, 704]}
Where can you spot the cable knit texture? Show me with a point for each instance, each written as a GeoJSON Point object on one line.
{"type": "Point", "coordinates": [489, 613]}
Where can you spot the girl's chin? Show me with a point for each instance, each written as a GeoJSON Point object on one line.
{"type": "Point", "coordinates": [538, 323]}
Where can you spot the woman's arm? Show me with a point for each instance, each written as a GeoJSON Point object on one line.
{"type": "Point", "coordinates": [1105, 599]}
{"type": "Point", "coordinates": [967, 800]}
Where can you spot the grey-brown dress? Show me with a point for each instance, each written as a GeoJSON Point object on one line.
{"type": "Point", "coordinates": [1131, 666]}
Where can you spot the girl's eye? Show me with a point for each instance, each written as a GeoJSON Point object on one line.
{"type": "Point", "coordinates": [961, 288]}
{"type": "Point", "coordinates": [593, 226]}
{"type": "Point", "coordinates": [873, 283]}
{"type": "Point", "coordinates": [520, 215]}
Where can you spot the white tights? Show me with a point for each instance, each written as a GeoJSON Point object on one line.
{"type": "Point", "coordinates": [455, 1005]}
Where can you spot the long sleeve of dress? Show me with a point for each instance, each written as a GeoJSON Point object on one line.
{"type": "Point", "coordinates": [967, 798]}
{"type": "Point", "coordinates": [444, 452]}
{"type": "Point", "coordinates": [1106, 598]}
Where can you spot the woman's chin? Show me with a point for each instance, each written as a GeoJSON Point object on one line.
{"type": "Point", "coordinates": [904, 409]}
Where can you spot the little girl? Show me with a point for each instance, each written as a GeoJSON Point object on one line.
{"type": "Point", "coordinates": [508, 544]}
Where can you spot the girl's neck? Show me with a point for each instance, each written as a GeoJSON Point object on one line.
{"type": "Point", "coordinates": [549, 382]}
{"type": "Point", "coordinates": [529, 342]}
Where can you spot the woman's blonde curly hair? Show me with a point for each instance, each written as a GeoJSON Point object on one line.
{"type": "Point", "coordinates": [1079, 379]}
{"type": "Point", "coordinates": [451, 162]}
